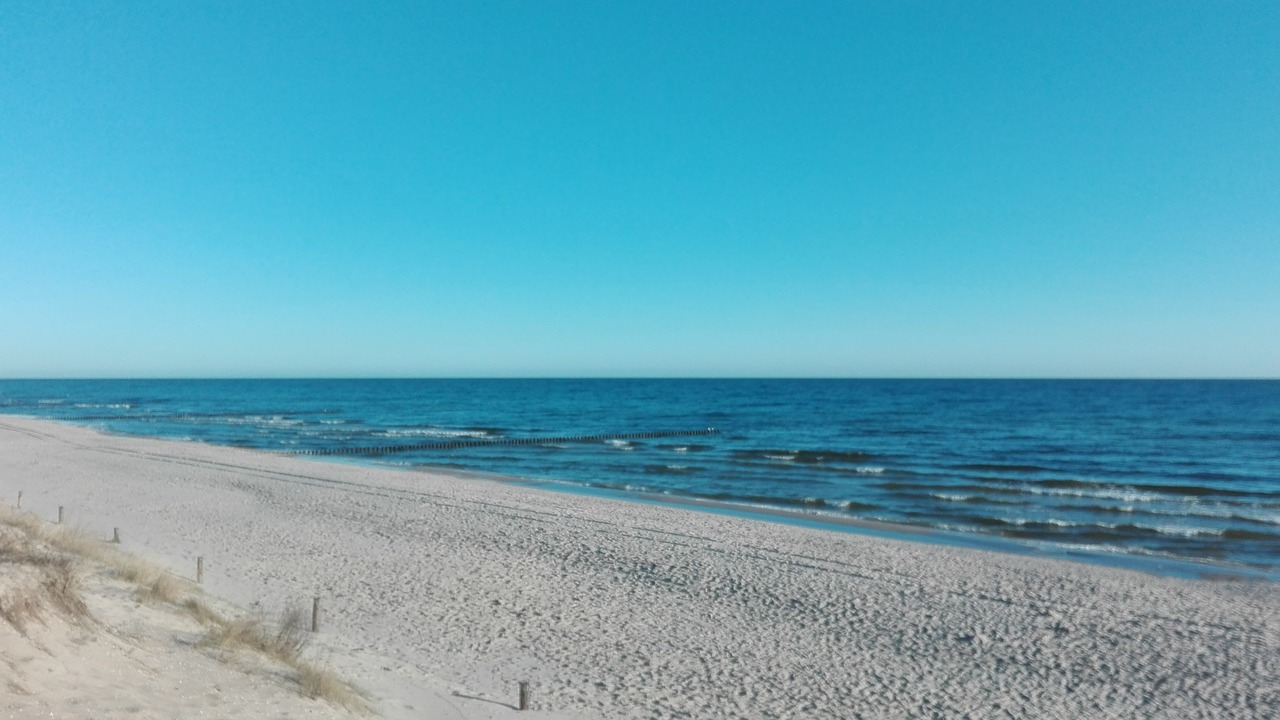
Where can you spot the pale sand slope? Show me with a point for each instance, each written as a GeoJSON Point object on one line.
{"type": "Point", "coordinates": [128, 658]}
{"type": "Point", "coordinates": [441, 593]}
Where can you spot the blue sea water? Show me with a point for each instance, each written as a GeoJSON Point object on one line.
{"type": "Point", "coordinates": [1158, 469]}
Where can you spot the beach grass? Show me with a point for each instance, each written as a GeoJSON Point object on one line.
{"type": "Point", "coordinates": [46, 562]}
{"type": "Point", "coordinates": [42, 581]}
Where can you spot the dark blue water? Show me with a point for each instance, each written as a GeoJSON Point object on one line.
{"type": "Point", "coordinates": [1180, 469]}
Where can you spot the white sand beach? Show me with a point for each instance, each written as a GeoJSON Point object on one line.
{"type": "Point", "coordinates": [439, 594]}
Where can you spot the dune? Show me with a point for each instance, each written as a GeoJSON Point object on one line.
{"type": "Point", "coordinates": [87, 631]}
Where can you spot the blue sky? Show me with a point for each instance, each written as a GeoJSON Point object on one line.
{"type": "Point", "coordinates": [649, 189]}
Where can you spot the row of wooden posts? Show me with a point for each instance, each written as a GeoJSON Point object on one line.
{"type": "Point", "coordinates": [315, 601]}
{"type": "Point", "coordinates": [115, 538]}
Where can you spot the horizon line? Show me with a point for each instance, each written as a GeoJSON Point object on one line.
{"type": "Point", "coordinates": [262, 378]}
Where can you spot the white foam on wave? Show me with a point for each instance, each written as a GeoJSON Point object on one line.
{"type": "Point", "coordinates": [1188, 532]}
{"type": "Point", "coordinates": [620, 444]}
{"type": "Point", "coordinates": [1219, 510]}
{"type": "Point", "coordinates": [267, 420]}
{"type": "Point", "coordinates": [1056, 522]}
{"type": "Point", "coordinates": [1137, 502]}
{"type": "Point", "coordinates": [868, 470]}
{"type": "Point", "coordinates": [433, 433]}
{"type": "Point", "coordinates": [949, 527]}
{"type": "Point", "coordinates": [1106, 548]}
{"type": "Point", "coordinates": [782, 458]}
{"type": "Point", "coordinates": [1129, 496]}
{"type": "Point", "coordinates": [1165, 529]}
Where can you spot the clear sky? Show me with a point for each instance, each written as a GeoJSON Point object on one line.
{"type": "Point", "coordinates": [199, 189]}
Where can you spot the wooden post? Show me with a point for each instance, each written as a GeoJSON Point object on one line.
{"type": "Point", "coordinates": [59, 514]}
{"type": "Point", "coordinates": [200, 569]}
{"type": "Point", "coordinates": [524, 695]}
{"type": "Point", "coordinates": [115, 535]}
{"type": "Point", "coordinates": [315, 615]}
{"type": "Point", "coordinates": [19, 499]}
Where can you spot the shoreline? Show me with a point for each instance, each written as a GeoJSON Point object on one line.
{"type": "Point", "coordinates": [1026, 464]}
{"type": "Point", "coordinates": [1160, 565]}
{"type": "Point", "coordinates": [443, 591]}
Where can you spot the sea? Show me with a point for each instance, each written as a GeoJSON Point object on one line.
{"type": "Point", "coordinates": [1167, 475]}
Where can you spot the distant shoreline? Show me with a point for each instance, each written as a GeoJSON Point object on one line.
{"type": "Point", "coordinates": [1169, 567]}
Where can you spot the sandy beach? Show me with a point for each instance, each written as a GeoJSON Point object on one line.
{"type": "Point", "coordinates": [439, 594]}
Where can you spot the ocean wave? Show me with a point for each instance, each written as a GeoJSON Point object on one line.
{"type": "Point", "coordinates": [429, 432]}
{"type": "Point", "coordinates": [972, 499]}
{"type": "Point", "coordinates": [1049, 529]}
{"type": "Point", "coordinates": [1100, 491]}
{"type": "Point", "coordinates": [1219, 512]}
{"type": "Point", "coordinates": [768, 501]}
{"type": "Point", "coordinates": [807, 457]}
{"type": "Point", "coordinates": [669, 469]}
{"type": "Point", "coordinates": [267, 420]}
{"type": "Point", "coordinates": [691, 447]}
{"type": "Point", "coordinates": [1173, 530]}
{"type": "Point", "coordinates": [1131, 495]}
{"type": "Point", "coordinates": [997, 467]}
{"type": "Point", "coordinates": [1238, 534]}
{"type": "Point", "coordinates": [105, 406]}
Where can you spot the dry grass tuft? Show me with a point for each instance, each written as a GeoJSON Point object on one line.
{"type": "Point", "coordinates": [25, 521]}
{"type": "Point", "coordinates": [74, 541]}
{"type": "Point", "coordinates": [285, 643]}
{"type": "Point", "coordinates": [52, 584]}
{"type": "Point", "coordinates": [61, 587]}
{"type": "Point", "coordinates": [44, 581]}
{"type": "Point", "coordinates": [292, 634]}
{"type": "Point", "coordinates": [201, 611]}
{"type": "Point", "coordinates": [232, 635]}
{"type": "Point", "coordinates": [134, 569]}
{"type": "Point", "coordinates": [164, 588]}
{"type": "Point", "coordinates": [323, 684]}
{"type": "Point", "coordinates": [20, 607]}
